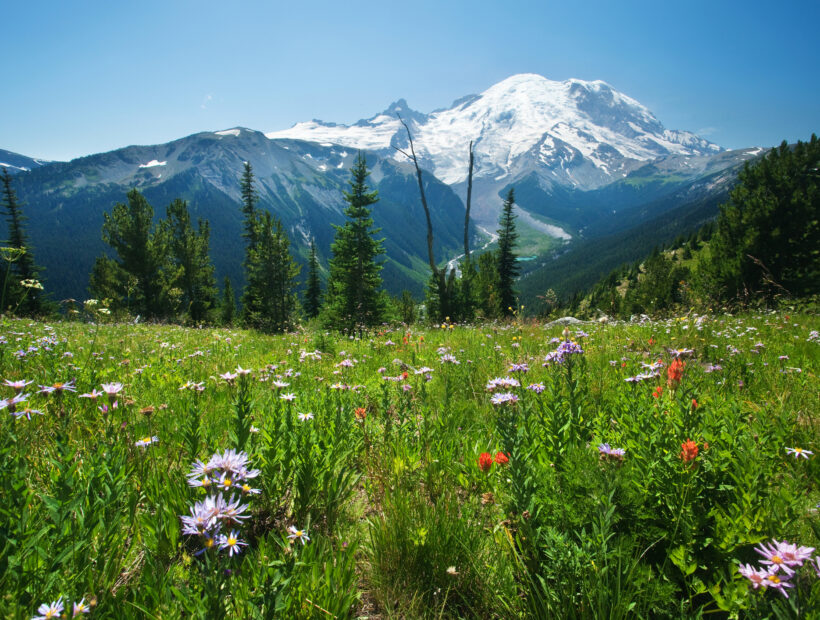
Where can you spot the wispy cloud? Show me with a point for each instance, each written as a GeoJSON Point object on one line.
{"type": "Point", "coordinates": [205, 101]}
{"type": "Point", "coordinates": [707, 131]}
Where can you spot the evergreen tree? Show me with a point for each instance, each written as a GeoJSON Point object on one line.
{"type": "Point", "coordinates": [353, 297]}
{"type": "Point", "coordinates": [143, 269]}
{"type": "Point", "coordinates": [407, 307]}
{"type": "Point", "coordinates": [227, 307]}
{"type": "Point", "coordinates": [21, 287]}
{"type": "Point", "coordinates": [269, 301]}
{"type": "Point", "coordinates": [767, 240]}
{"type": "Point", "coordinates": [487, 285]}
{"type": "Point", "coordinates": [505, 258]}
{"type": "Point", "coordinates": [313, 291]}
{"type": "Point", "coordinates": [249, 199]}
{"type": "Point", "coordinates": [190, 253]}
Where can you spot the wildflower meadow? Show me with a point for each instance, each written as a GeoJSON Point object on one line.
{"type": "Point", "coordinates": [654, 469]}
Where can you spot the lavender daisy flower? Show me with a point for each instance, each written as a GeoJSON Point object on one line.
{"type": "Point", "coordinates": [230, 460]}
{"type": "Point", "coordinates": [304, 417]}
{"type": "Point", "coordinates": [288, 397]}
{"type": "Point", "coordinates": [59, 387]}
{"type": "Point", "coordinates": [17, 385]}
{"type": "Point", "coordinates": [11, 403]}
{"type": "Point", "coordinates": [504, 398]}
{"type": "Point", "coordinates": [80, 608]}
{"type": "Point", "coordinates": [50, 611]}
{"type": "Point", "coordinates": [774, 558]}
{"type": "Point", "coordinates": [232, 543]}
{"type": "Point", "coordinates": [112, 389]}
{"type": "Point", "coordinates": [792, 554]}
{"type": "Point", "coordinates": [298, 535]}
{"type": "Point", "coordinates": [26, 411]}
{"type": "Point", "coordinates": [146, 441]}
{"type": "Point", "coordinates": [756, 575]}
{"type": "Point", "coordinates": [233, 511]}
{"type": "Point", "coordinates": [776, 583]}
{"type": "Point", "coordinates": [93, 394]}
{"type": "Point", "coordinates": [247, 490]}
{"type": "Point", "coordinates": [519, 368]}
{"type": "Point", "coordinates": [536, 387]}
{"type": "Point", "coordinates": [799, 452]}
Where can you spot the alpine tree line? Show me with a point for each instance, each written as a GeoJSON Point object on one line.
{"type": "Point", "coordinates": [764, 245]}
{"type": "Point", "coordinates": [161, 270]}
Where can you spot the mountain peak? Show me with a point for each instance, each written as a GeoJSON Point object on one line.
{"type": "Point", "coordinates": [577, 133]}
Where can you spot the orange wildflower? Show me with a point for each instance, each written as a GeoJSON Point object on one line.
{"type": "Point", "coordinates": [689, 451]}
{"type": "Point", "coordinates": [485, 461]}
{"type": "Point", "coordinates": [675, 372]}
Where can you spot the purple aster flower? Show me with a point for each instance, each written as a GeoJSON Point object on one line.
{"type": "Point", "coordinates": [607, 452]}
{"type": "Point", "coordinates": [794, 555]}
{"type": "Point", "coordinates": [774, 581]}
{"type": "Point", "coordinates": [774, 558]}
{"type": "Point", "coordinates": [523, 368]}
{"type": "Point", "coordinates": [296, 534]}
{"type": "Point", "coordinates": [80, 608]}
{"type": "Point", "coordinates": [59, 387]}
{"type": "Point", "coordinates": [232, 543]}
{"type": "Point", "coordinates": [50, 611]}
{"type": "Point", "coordinates": [799, 452]}
{"type": "Point", "coordinates": [26, 411]}
{"type": "Point", "coordinates": [146, 441]}
{"type": "Point", "coordinates": [17, 385]}
{"type": "Point", "coordinates": [756, 575]}
{"type": "Point", "coordinates": [504, 398]}
{"type": "Point", "coordinates": [11, 403]}
{"type": "Point", "coordinates": [536, 387]}
{"type": "Point", "coordinates": [112, 389]}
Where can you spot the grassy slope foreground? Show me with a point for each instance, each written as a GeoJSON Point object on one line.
{"type": "Point", "coordinates": [420, 473]}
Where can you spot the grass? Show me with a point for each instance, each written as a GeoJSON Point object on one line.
{"type": "Point", "coordinates": [384, 477]}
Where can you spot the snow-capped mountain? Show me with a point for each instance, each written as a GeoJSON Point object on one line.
{"type": "Point", "coordinates": [573, 133]}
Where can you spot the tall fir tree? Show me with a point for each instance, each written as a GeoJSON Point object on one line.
{"type": "Point", "coordinates": [354, 299]}
{"type": "Point", "coordinates": [486, 285]}
{"type": "Point", "coordinates": [21, 287]}
{"type": "Point", "coordinates": [227, 306]}
{"type": "Point", "coordinates": [269, 302]}
{"type": "Point", "coordinates": [190, 252]}
{"type": "Point", "coordinates": [142, 274]}
{"type": "Point", "coordinates": [249, 199]}
{"type": "Point", "coordinates": [507, 266]}
{"type": "Point", "coordinates": [313, 290]}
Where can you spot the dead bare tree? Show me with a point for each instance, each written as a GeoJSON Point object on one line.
{"type": "Point", "coordinates": [467, 212]}
{"type": "Point", "coordinates": [445, 283]}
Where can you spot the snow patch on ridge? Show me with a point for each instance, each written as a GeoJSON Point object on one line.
{"type": "Point", "coordinates": [153, 163]}
{"type": "Point", "coordinates": [228, 132]}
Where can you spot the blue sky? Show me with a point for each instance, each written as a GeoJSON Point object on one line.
{"type": "Point", "coordinates": [82, 77]}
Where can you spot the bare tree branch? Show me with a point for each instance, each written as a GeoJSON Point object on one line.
{"type": "Point", "coordinates": [467, 213]}
{"type": "Point", "coordinates": [423, 199]}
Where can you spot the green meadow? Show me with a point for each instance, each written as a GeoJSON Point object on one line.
{"type": "Point", "coordinates": [662, 469]}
